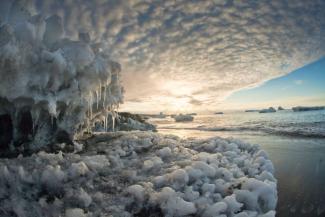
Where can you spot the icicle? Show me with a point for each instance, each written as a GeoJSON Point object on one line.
{"type": "Point", "coordinates": [105, 123]}
{"type": "Point", "coordinates": [109, 94]}
{"type": "Point", "coordinates": [97, 99]}
{"type": "Point", "coordinates": [90, 106]}
{"type": "Point", "coordinates": [104, 100]}
{"type": "Point", "coordinates": [100, 91]}
{"type": "Point", "coordinates": [113, 121]}
{"type": "Point", "coordinates": [105, 120]}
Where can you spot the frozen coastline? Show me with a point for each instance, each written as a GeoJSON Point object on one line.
{"type": "Point", "coordinates": [141, 174]}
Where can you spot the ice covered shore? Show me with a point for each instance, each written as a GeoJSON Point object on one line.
{"type": "Point", "coordinates": [141, 174]}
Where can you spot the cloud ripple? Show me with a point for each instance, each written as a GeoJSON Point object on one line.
{"type": "Point", "coordinates": [194, 53]}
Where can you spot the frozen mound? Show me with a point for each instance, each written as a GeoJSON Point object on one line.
{"type": "Point", "coordinates": [183, 118]}
{"type": "Point", "coordinates": [141, 174]}
{"type": "Point", "coordinates": [51, 87]}
{"type": "Point", "coordinates": [126, 121]}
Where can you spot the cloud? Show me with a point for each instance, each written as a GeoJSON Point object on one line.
{"type": "Point", "coordinates": [209, 48]}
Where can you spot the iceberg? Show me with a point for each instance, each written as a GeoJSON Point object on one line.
{"type": "Point", "coordinates": [252, 110]}
{"type": "Point", "coordinates": [183, 118]}
{"type": "Point", "coordinates": [269, 110]}
{"type": "Point", "coordinates": [127, 122]}
{"type": "Point", "coordinates": [305, 108]}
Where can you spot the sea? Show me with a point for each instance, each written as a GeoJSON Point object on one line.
{"type": "Point", "coordinates": [294, 141]}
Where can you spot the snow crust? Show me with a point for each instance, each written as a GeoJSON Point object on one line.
{"type": "Point", "coordinates": [141, 174]}
{"type": "Point", "coordinates": [65, 84]}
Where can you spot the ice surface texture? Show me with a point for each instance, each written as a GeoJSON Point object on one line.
{"type": "Point", "coordinates": [141, 174]}
{"type": "Point", "coordinates": [51, 87]}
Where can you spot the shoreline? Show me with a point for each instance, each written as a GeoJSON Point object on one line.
{"type": "Point", "coordinates": [299, 168]}
{"type": "Point", "coordinates": [142, 174]}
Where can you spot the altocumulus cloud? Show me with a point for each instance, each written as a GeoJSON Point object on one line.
{"type": "Point", "coordinates": [197, 52]}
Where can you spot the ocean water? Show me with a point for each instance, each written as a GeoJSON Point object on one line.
{"type": "Point", "coordinates": [286, 122]}
{"type": "Point", "coordinates": [295, 142]}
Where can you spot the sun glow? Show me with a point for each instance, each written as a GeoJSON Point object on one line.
{"type": "Point", "coordinates": [177, 88]}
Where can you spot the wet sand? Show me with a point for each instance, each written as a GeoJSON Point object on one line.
{"type": "Point", "coordinates": [299, 168]}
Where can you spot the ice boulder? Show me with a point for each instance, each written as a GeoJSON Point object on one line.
{"type": "Point", "coordinates": [183, 118]}
{"type": "Point", "coordinates": [269, 110]}
{"type": "Point", "coordinates": [172, 204]}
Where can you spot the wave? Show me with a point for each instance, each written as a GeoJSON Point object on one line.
{"type": "Point", "coordinates": [310, 132]}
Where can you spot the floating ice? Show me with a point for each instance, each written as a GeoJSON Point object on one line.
{"type": "Point", "coordinates": [141, 174]}
{"type": "Point", "coordinates": [183, 118]}
{"type": "Point", "coordinates": [269, 110]}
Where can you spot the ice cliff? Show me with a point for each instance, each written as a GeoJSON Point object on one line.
{"type": "Point", "coordinates": [52, 88]}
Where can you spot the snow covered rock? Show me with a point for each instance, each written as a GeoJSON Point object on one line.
{"type": "Point", "coordinates": [141, 174]}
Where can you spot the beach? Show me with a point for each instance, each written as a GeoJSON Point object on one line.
{"type": "Point", "coordinates": [299, 163]}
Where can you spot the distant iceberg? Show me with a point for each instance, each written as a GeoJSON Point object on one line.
{"type": "Point", "coordinates": [252, 110]}
{"type": "Point", "coordinates": [305, 108]}
{"type": "Point", "coordinates": [160, 115]}
{"type": "Point", "coordinates": [269, 110]}
{"type": "Point", "coordinates": [183, 118]}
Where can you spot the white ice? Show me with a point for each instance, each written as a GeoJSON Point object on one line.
{"type": "Point", "coordinates": [128, 173]}
{"type": "Point", "coordinates": [54, 77]}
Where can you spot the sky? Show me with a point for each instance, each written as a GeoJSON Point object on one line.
{"type": "Point", "coordinates": [303, 87]}
{"type": "Point", "coordinates": [193, 54]}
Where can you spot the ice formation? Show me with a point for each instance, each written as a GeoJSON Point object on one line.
{"type": "Point", "coordinates": [127, 122]}
{"type": "Point", "coordinates": [51, 87]}
{"type": "Point", "coordinates": [269, 110]}
{"type": "Point", "coordinates": [305, 108]}
{"type": "Point", "coordinates": [141, 174]}
{"type": "Point", "coordinates": [183, 118]}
